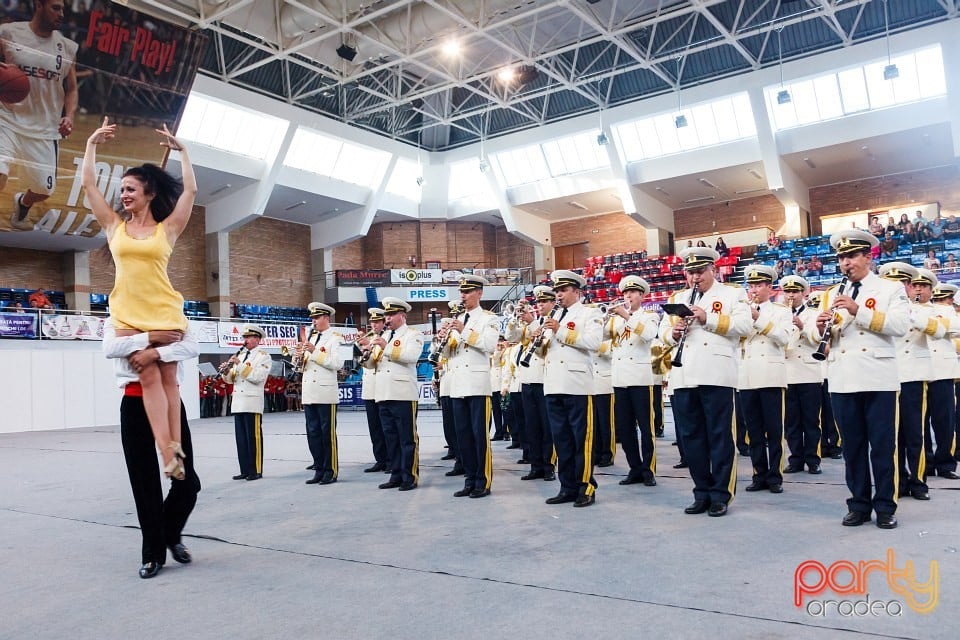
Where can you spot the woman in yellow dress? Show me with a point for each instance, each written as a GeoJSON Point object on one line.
{"type": "Point", "coordinates": [156, 209]}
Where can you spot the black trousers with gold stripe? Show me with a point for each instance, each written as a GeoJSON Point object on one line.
{"type": "Point", "coordinates": [911, 457]}
{"type": "Point", "coordinates": [604, 434]}
{"type": "Point", "coordinates": [763, 415]}
{"type": "Point", "coordinates": [537, 429]}
{"type": "Point", "coordinates": [704, 419]}
{"type": "Point", "coordinates": [634, 410]}
{"type": "Point", "coordinates": [942, 411]}
{"type": "Point", "coordinates": [802, 423]}
{"type": "Point", "coordinates": [399, 420]}
{"type": "Point", "coordinates": [322, 438]}
{"type": "Point", "coordinates": [868, 426]}
{"type": "Point", "coordinates": [571, 421]}
{"type": "Point", "coordinates": [471, 415]}
{"type": "Point", "coordinates": [249, 433]}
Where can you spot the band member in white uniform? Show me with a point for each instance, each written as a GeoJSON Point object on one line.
{"type": "Point", "coordinates": [321, 393]}
{"type": "Point", "coordinates": [368, 394]}
{"type": "Point", "coordinates": [941, 400]}
{"type": "Point", "coordinates": [247, 371]}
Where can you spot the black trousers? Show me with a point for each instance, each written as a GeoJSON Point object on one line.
{"type": "Point", "coordinates": [517, 422]}
{"type": "Point", "coordinates": [399, 419]}
{"type": "Point", "coordinates": [635, 407]}
{"type": "Point", "coordinates": [376, 432]}
{"type": "Point", "coordinates": [161, 520]}
{"type": "Point", "coordinates": [868, 428]}
{"type": "Point", "coordinates": [604, 429]}
{"type": "Point", "coordinates": [449, 426]}
{"type": "Point", "coordinates": [571, 422]}
{"type": "Point", "coordinates": [957, 421]}
{"type": "Point", "coordinates": [942, 411]}
{"type": "Point", "coordinates": [537, 428]}
{"type": "Point", "coordinates": [322, 438]}
{"type": "Point", "coordinates": [763, 414]}
{"type": "Point", "coordinates": [802, 423]}
{"type": "Point", "coordinates": [497, 413]}
{"type": "Point", "coordinates": [658, 408]}
{"type": "Point", "coordinates": [742, 444]}
{"type": "Point", "coordinates": [705, 426]}
{"type": "Point", "coordinates": [829, 431]}
{"type": "Point", "coordinates": [911, 457]}
{"type": "Point", "coordinates": [248, 430]}
{"type": "Point", "coordinates": [471, 416]}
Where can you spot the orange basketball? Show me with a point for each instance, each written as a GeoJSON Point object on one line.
{"type": "Point", "coordinates": [14, 85]}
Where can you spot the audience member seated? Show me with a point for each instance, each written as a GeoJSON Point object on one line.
{"type": "Point", "coordinates": [875, 227]}
{"type": "Point", "coordinates": [888, 246]}
{"type": "Point", "coordinates": [721, 247]}
{"type": "Point", "coordinates": [701, 243]}
{"type": "Point", "coordinates": [814, 267]}
{"type": "Point", "coordinates": [931, 262]}
{"type": "Point", "coordinates": [772, 240]}
{"type": "Point", "coordinates": [951, 229]}
{"type": "Point", "coordinates": [950, 265]}
{"type": "Point", "coordinates": [689, 243]}
{"type": "Point", "coordinates": [779, 267]}
{"type": "Point", "coordinates": [934, 229]}
{"type": "Point", "coordinates": [39, 300]}
{"type": "Point", "coordinates": [891, 226]}
{"type": "Point", "coordinates": [18, 308]}
{"type": "Point", "coordinates": [800, 267]}
{"type": "Point", "coordinates": [787, 267]}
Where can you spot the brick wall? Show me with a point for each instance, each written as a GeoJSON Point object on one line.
{"type": "Point", "coordinates": [31, 269]}
{"type": "Point", "coordinates": [349, 255]}
{"type": "Point", "coordinates": [608, 233]}
{"type": "Point", "coordinates": [270, 264]}
{"type": "Point", "coordinates": [726, 217]}
{"type": "Point", "coordinates": [940, 184]}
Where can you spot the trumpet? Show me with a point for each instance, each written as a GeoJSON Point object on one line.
{"type": "Point", "coordinates": [223, 368]}
{"type": "Point", "coordinates": [298, 357]}
{"type": "Point", "coordinates": [824, 347]}
{"type": "Point", "coordinates": [366, 353]}
{"type": "Point", "coordinates": [513, 311]}
{"type": "Point", "coordinates": [678, 358]}
{"type": "Point", "coordinates": [610, 308]}
{"type": "Point", "coordinates": [537, 342]}
{"type": "Point", "coordinates": [439, 346]}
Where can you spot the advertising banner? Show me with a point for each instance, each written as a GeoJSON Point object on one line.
{"type": "Point", "coordinates": [416, 276]}
{"type": "Point", "coordinates": [18, 325]}
{"type": "Point", "coordinates": [230, 334]}
{"type": "Point", "coordinates": [350, 395]}
{"type": "Point", "coordinates": [431, 294]}
{"type": "Point", "coordinates": [72, 327]}
{"type": "Point", "coordinates": [204, 330]}
{"type": "Point", "coordinates": [100, 59]}
{"type": "Point", "coordinates": [363, 277]}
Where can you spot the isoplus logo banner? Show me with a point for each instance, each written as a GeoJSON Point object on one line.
{"type": "Point", "coordinates": [843, 588]}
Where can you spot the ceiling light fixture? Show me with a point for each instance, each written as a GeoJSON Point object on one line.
{"type": "Point", "coordinates": [755, 174]}
{"type": "Point", "coordinates": [221, 189]}
{"type": "Point", "coordinates": [681, 120]}
{"type": "Point", "coordinates": [506, 75]}
{"type": "Point", "coordinates": [602, 139]}
{"type": "Point", "coordinates": [295, 205]}
{"type": "Point", "coordinates": [347, 52]}
{"type": "Point", "coordinates": [527, 74]}
{"type": "Point", "coordinates": [451, 47]}
{"type": "Point", "coordinates": [890, 72]}
{"type": "Point", "coordinates": [783, 97]}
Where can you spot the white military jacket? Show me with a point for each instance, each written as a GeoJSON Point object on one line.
{"type": "Point", "coordinates": [801, 367]}
{"type": "Point", "coordinates": [762, 352]}
{"type": "Point", "coordinates": [510, 374]}
{"type": "Point", "coordinates": [319, 384]}
{"type": "Point", "coordinates": [515, 333]}
{"type": "Point", "coordinates": [631, 349]}
{"type": "Point", "coordinates": [396, 365]}
{"type": "Point", "coordinates": [914, 363]}
{"type": "Point", "coordinates": [863, 348]}
{"type": "Point", "coordinates": [568, 357]}
{"type": "Point", "coordinates": [497, 362]}
{"type": "Point", "coordinates": [603, 361]}
{"type": "Point", "coordinates": [469, 354]}
{"type": "Point", "coordinates": [248, 378]}
{"type": "Point", "coordinates": [369, 383]}
{"type": "Point", "coordinates": [943, 353]}
{"type": "Point", "coordinates": [710, 352]}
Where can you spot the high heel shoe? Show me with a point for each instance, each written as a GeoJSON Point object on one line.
{"type": "Point", "coordinates": [175, 469]}
{"type": "Point", "coordinates": [178, 450]}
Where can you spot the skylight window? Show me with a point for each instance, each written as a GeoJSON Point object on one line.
{"type": "Point", "coordinates": [403, 181]}
{"type": "Point", "coordinates": [326, 156]}
{"type": "Point", "coordinates": [231, 128]}
{"type": "Point", "coordinates": [468, 181]}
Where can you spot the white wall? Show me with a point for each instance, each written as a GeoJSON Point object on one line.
{"type": "Point", "coordinates": [60, 385]}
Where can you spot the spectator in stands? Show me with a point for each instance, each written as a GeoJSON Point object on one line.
{"type": "Point", "coordinates": [772, 240]}
{"type": "Point", "coordinates": [800, 267]}
{"type": "Point", "coordinates": [950, 265]}
{"type": "Point", "coordinates": [788, 267]}
{"type": "Point", "coordinates": [39, 300]}
{"type": "Point", "coordinates": [814, 267]}
{"type": "Point", "coordinates": [951, 229]}
{"type": "Point", "coordinates": [721, 247]}
{"type": "Point", "coordinates": [934, 229]}
{"type": "Point", "coordinates": [875, 227]}
{"type": "Point", "coordinates": [908, 235]}
{"type": "Point", "coordinates": [701, 243]}
{"type": "Point", "coordinates": [903, 224]}
{"type": "Point", "coordinates": [919, 227]}
{"type": "Point", "coordinates": [931, 262]}
{"type": "Point", "coordinates": [918, 219]}
{"type": "Point", "coordinates": [779, 267]}
{"type": "Point", "coordinates": [891, 226]}
{"type": "Point", "coordinates": [18, 308]}
{"type": "Point", "coordinates": [888, 246]}
{"type": "Point", "coordinates": [689, 243]}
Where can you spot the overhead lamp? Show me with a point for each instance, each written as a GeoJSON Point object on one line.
{"type": "Point", "coordinates": [506, 75]}
{"type": "Point", "coordinates": [347, 52]}
{"type": "Point", "coordinates": [680, 121]}
{"type": "Point", "coordinates": [451, 47]}
{"type": "Point", "coordinates": [527, 74]}
{"type": "Point", "coordinates": [420, 181]}
{"type": "Point", "coordinates": [484, 165]}
{"type": "Point", "coordinates": [783, 97]}
{"type": "Point", "coordinates": [602, 139]}
{"type": "Point", "coordinates": [890, 72]}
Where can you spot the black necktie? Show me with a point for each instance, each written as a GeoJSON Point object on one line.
{"type": "Point", "coordinates": [562, 314]}
{"type": "Point", "coordinates": [390, 336]}
{"type": "Point", "coordinates": [856, 290]}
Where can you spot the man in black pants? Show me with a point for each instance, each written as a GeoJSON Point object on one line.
{"type": "Point", "coordinates": [161, 520]}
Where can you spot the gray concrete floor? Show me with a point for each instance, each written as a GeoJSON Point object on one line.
{"type": "Point", "coordinates": [277, 558]}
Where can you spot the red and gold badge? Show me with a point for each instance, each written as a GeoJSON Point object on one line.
{"type": "Point", "coordinates": [571, 326]}
{"type": "Point", "coordinates": [323, 349]}
{"type": "Point", "coordinates": [717, 307]}
{"type": "Point", "coordinates": [396, 343]}
{"type": "Point", "coordinates": [871, 303]}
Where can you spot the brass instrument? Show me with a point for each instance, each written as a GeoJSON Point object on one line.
{"type": "Point", "coordinates": [610, 308]}
{"type": "Point", "coordinates": [366, 353]}
{"type": "Point", "coordinates": [439, 346]}
{"type": "Point", "coordinates": [678, 358]}
{"type": "Point", "coordinates": [537, 342]}
{"type": "Point", "coordinates": [824, 347]}
{"type": "Point", "coordinates": [660, 359]}
{"type": "Point", "coordinates": [223, 368]}
{"type": "Point", "coordinates": [298, 359]}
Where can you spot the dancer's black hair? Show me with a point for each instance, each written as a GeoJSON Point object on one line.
{"type": "Point", "coordinates": [164, 188]}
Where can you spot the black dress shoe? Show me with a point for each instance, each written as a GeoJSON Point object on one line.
{"type": "Point", "coordinates": [377, 467]}
{"type": "Point", "coordinates": [698, 506]}
{"type": "Point", "coordinates": [312, 467]}
{"type": "Point", "coordinates": [456, 471]}
{"type": "Point", "coordinates": [919, 494]}
{"type": "Point", "coordinates": [815, 470]}
{"type": "Point", "coordinates": [390, 484]}
{"type": "Point", "coordinates": [681, 465]}
{"type": "Point", "coordinates": [605, 463]}
{"type": "Point", "coordinates": [533, 475]}
{"type": "Point", "coordinates": [658, 433]}
{"type": "Point", "coordinates": [449, 456]}
{"type": "Point", "coordinates": [315, 479]}
{"type": "Point", "coordinates": [756, 485]}
{"type": "Point", "coordinates": [836, 454]}
{"type": "Point", "coordinates": [855, 518]}
{"type": "Point", "coordinates": [650, 482]}
{"type": "Point", "coordinates": [744, 452]}
{"type": "Point", "coordinates": [150, 569]}
{"type": "Point", "coordinates": [585, 501]}
{"type": "Point", "coordinates": [717, 509]}
{"type": "Point", "coordinates": [328, 481]}
{"type": "Point", "coordinates": [480, 493]}
{"type": "Point", "coordinates": [254, 476]}
{"type": "Point", "coordinates": [463, 493]}
{"type": "Point", "coordinates": [631, 480]}
{"type": "Point", "coordinates": [549, 475]}
{"type": "Point", "coordinates": [180, 553]}
{"type": "Point", "coordinates": [513, 446]}
{"type": "Point", "coordinates": [561, 498]}
{"type": "Point", "coordinates": [793, 468]}
{"type": "Point", "coordinates": [949, 475]}
{"type": "Point", "coordinates": [240, 477]}
{"type": "Point", "coordinates": [523, 461]}
{"type": "Point", "coordinates": [776, 488]}
{"type": "Point", "coordinates": [886, 521]}
{"type": "Point", "coordinates": [409, 486]}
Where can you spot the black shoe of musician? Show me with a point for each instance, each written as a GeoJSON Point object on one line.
{"type": "Point", "coordinates": [523, 461]}
{"type": "Point", "coordinates": [886, 521]}
{"type": "Point", "coordinates": [180, 553]}
{"type": "Point", "coordinates": [549, 475]}
{"type": "Point", "coordinates": [757, 486]}
{"type": "Point", "coordinates": [515, 445]}
{"type": "Point", "coordinates": [919, 494]}
{"type": "Point", "coordinates": [449, 456]}
{"type": "Point", "coordinates": [855, 518]}
{"type": "Point", "coordinates": [480, 493]}
{"type": "Point", "coordinates": [793, 468]}
{"type": "Point", "coordinates": [698, 506]}
{"type": "Point", "coordinates": [561, 498]}
{"type": "Point", "coordinates": [949, 475]}
{"type": "Point", "coordinates": [717, 509]}
{"type": "Point", "coordinates": [240, 477]}
{"type": "Point", "coordinates": [463, 493]}
{"type": "Point", "coordinates": [456, 471]}
{"type": "Point", "coordinates": [410, 486]}
{"type": "Point", "coordinates": [814, 470]}
{"type": "Point", "coordinates": [533, 475]}
{"type": "Point", "coordinates": [377, 467]}
{"type": "Point", "coordinates": [605, 463]}
{"type": "Point", "coordinates": [390, 484]}
{"type": "Point", "coordinates": [150, 569]}
{"type": "Point", "coordinates": [650, 482]}
{"type": "Point", "coordinates": [328, 481]}
{"type": "Point", "coordinates": [585, 501]}
{"type": "Point", "coordinates": [254, 476]}
{"type": "Point", "coordinates": [317, 477]}
{"type": "Point", "coordinates": [631, 479]}
{"type": "Point", "coordinates": [681, 465]}
{"type": "Point", "coordinates": [776, 488]}
{"type": "Point", "coordinates": [312, 467]}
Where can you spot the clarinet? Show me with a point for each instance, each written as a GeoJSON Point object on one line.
{"type": "Point", "coordinates": [677, 359]}
{"type": "Point", "coordinates": [537, 342]}
{"type": "Point", "coordinates": [824, 347]}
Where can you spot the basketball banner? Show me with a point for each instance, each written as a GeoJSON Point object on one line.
{"type": "Point", "coordinates": [60, 74]}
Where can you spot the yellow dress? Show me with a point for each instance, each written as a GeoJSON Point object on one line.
{"type": "Point", "coordinates": [142, 296]}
